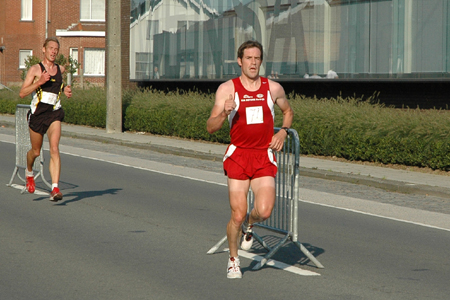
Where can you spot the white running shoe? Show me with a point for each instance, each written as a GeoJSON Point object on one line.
{"type": "Point", "coordinates": [234, 268]}
{"type": "Point", "coordinates": [247, 237]}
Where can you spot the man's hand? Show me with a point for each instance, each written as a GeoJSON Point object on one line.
{"type": "Point", "coordinates": [44, 78]}
{"type": "Point", "coordinates": [278, 140]}
{"type": "Point", "coordinates": [229, 105]}
{"type": "Point", "coordinates": [68, 91]}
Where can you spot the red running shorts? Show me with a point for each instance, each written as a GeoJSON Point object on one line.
{"type": "Point", "coordinates": [243, 164]}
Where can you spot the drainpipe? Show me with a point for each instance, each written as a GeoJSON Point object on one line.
{"type": "Point", "coordinates": [46, 19]}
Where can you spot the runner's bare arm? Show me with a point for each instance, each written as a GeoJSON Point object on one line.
{"type": "Point", "coordinates": [223, 106]}
{"type": "Point", "coordinates": [279, 97]}
{"type": "Point", "coordinates": [30, 84]}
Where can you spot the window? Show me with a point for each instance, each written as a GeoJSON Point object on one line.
{"type": "Point", "coordinates": [23, 55]}
{"type": "Point", "coordinates": [93, 10]}
{"type": "Point", "coordinates": [94, 62]}
{"type": "Point", "coordinates": [74, 55]}
{"type": "Point", "coordinates": [142, 65]}
{"type": "Point", "coordinates": [27, 10]}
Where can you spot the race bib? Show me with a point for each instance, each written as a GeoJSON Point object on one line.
{"type": "Point", "coordinates": [49, 98]}
{"type": "Point", "coordinates": [254, 115]}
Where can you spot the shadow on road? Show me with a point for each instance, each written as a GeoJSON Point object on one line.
{"type": "Point", "coordinates": [77, 196]}
{"type": "Point", "coordinates": [289, 253]}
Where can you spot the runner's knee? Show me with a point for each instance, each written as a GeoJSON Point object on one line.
{"type": "Point", "coordinates": [35, 152]}
{"type": "Point", "coordinates": [54, 150]}
{"type": "Point", "coordinates": [265, 213]}
{"type": "Point", "coordinates": [263, 210]}
{"type": "Point", "coordinates": [238, 217]}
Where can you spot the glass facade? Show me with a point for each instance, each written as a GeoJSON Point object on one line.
{"type": "Point", "coordinates": [198, 39]}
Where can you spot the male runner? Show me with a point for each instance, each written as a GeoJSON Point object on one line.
{"type": "Point", "coordinates": [248, 103]}
{"type": "Point", "coordinates": [44, 82]}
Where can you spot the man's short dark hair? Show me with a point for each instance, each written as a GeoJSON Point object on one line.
{"type": "Point", "coordinates": [51, 39]}
{"type": "Point", "coordinates": [247, 45]}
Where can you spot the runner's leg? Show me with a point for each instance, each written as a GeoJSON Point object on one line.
{"type": "Point", "coordinates": [36, 144]}
{"type": "Point", "coordinates": [54, 135]}
{"type": "Point", "coordinates": [238, 190]}
{"type": "Point", "coordinates": [264, 191]}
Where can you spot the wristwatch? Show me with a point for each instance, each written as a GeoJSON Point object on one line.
{"type": "Point", "coordinates": [287, 129]}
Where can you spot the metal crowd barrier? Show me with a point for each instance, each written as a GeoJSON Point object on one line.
{"type": "Point", "coordinates": [284, 218]}
{"type": "Point", "coordinates": [23, 144]}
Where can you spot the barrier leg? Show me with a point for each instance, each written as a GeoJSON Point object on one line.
{"type": "Point", "coordinates": [261, 241]}
{"type": "Point", "coordinates": [36, 176]}
{"type": "Point", "coordinates": [22, 147]}
{"type": "Point", "coordinates": [216, 246]}
{"type": "Point", "coordinates": [309, 255]}
{"type": "Point", "coordinates": [271, 253]}
{"type": "Point", "coordinates": [13, 175]}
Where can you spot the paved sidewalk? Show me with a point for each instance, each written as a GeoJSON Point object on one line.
{"type": "Point", "coordinates": [386, 178]}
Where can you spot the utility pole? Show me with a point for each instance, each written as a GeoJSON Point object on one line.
{"type": "Point", "coordinates": [113, 67]}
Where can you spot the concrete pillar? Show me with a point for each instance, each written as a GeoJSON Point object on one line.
{"type": "Point", "coordinates": [113, 67]}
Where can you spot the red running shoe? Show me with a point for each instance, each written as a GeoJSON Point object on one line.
{"type": "Point", "coordinates": [31, 186]}
{"type": "Point", "coordinates": [56, 195]}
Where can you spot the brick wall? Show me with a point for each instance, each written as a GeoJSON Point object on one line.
{"type": "Point", "coordinates": [18, 35]}
{"type": "Point", "coordinates": [125, 32]}
{"type": "Point", "coordinates": [64, 15]}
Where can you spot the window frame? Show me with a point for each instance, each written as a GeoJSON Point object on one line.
{"type": "Point", "coordinates": [86, 50]}
{"type": "Point", "coordinates": [22, 65]}
{"type": "Point", "coordinates": [90, 19]}
{"type": "Point", "coordinates": [140, 73]}
{"type": "Point", "coordinates": [26, 10]}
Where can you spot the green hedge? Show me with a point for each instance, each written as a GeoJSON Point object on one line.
{"type": "Point", "coordinates": [174, 114]}
{"type": "Point", "coordinates": [86, 107]}
{"type": "Point", "coordinates": [354, 129]}
{"type": "Point", "coordinates": [364, 131]}
{"type": "Point", "coordinates": [9, 100]}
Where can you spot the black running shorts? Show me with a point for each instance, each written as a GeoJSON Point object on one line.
{"type": "Point", "coordinates": [41, 122]}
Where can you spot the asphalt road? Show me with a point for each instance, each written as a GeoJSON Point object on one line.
{"type": "Point", "coordinates": [137, 225]}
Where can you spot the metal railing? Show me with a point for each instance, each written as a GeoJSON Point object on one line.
{"type": "Point", "coordinates": [284, 217]}
{"type": "Point", "coordinates": [23, 145]}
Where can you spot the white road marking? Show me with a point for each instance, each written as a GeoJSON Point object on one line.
{"type": "Point", "coordinates": [145, 168]}
{"type": "Point", "coordinates": [276, 264]}
{"type": "Point", "coordinates": [37, 192]}
{"type": "Point", "coordinates": [376, 215]}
